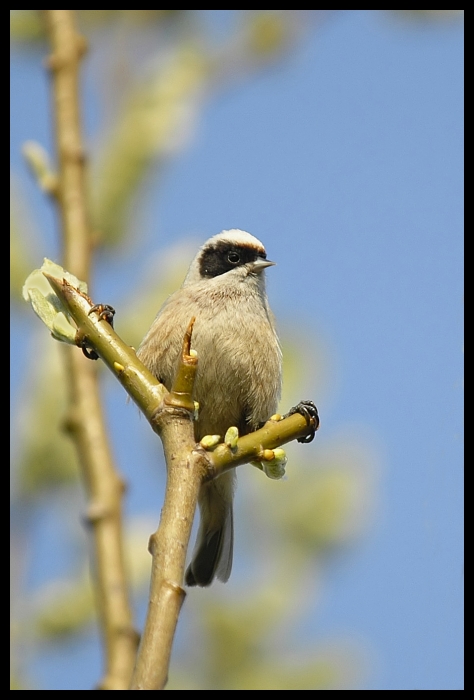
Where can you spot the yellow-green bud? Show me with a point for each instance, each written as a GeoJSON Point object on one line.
{"type": "Point", "coordinates": [231, 437]}
{"type": "Point", "coordinates": [210, 441]}
{"type": "Point", "coordinates": [275, 468]}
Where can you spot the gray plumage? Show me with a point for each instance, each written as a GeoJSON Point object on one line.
{"type": "Point", "coordinates": [238, 380]}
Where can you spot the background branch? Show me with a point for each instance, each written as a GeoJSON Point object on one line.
{"type": "Point", "coordinates": [84, 421]}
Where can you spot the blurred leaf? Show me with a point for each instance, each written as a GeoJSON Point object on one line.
{"type": "Point", "coordinates": [64, 607]}
{"type": "Point", "coordinates": [243, 645]}
{"type": "Point", "coordinates": [267, 31]}
{"type": "Point", "coordinates": [23, 257]}
{"type": "Point", "coordinates": [328, 502]}
{"type": "Point", "coordinates": [16, 683]}
{"type": "Point", "coordinates": [154, 123]}
{"type": "Point", "coordinates": [26, 26]}
{"type": "Point", "coordinates": [46, 456]}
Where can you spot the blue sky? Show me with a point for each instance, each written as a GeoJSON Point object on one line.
{"type": "Point", "coordinates": [347, 162]}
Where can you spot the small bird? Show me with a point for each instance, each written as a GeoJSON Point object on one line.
{"type": "Point", "coordinates": [238, 380]}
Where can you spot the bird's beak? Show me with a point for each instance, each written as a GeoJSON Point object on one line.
{"type": "Point", "coordinates": [260, 264]}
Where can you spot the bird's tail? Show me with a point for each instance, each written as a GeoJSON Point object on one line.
{"type": "Point", "coordinates": [212, 555]}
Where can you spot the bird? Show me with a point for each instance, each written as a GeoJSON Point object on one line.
{"type": "Point", "coordinates": [238, 380]}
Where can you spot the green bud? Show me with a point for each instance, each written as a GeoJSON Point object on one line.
{"type": "Point", "coordinates": [231, 437]}
{"type": "Point", "coordinates": [275, 468]}
{"type": "Point", "coordinates": [210, 441]}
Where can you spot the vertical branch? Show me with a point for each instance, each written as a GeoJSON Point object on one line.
{"type": "Point", "coordinates": [68, 47]}
{"type": "Point", "coordinates": [168, 547]}
{"type": "Point", "coordinates": [185, 469]}
{"type": "Point", "coordinates": [85, 419]}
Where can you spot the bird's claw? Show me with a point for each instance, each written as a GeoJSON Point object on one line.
{"type": "Point", "coordinates": [309, 411]}
{"type": "Point", "coordinates": [88, 351]}
{"type": "Point", "coordinates": [105, 312]}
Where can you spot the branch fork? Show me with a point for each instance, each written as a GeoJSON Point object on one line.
{"type": "Point", "coordinates": [171, 415]}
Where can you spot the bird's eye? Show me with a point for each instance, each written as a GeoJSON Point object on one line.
{"type": "Point", "coordinates": [233, 257]}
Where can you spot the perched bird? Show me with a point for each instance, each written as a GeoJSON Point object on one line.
{"type": "Point", "coordinates": [238, 379]}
